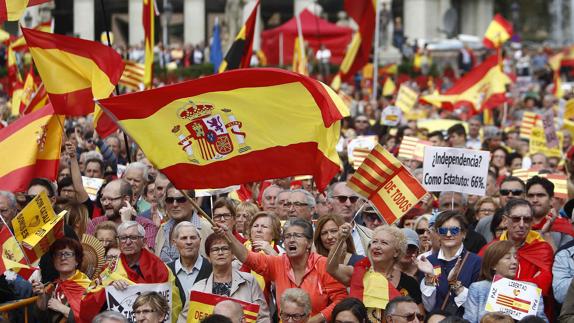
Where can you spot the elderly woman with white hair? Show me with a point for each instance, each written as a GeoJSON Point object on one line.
{"type": "Point", "coordinates": [295, 306]}
{"type": "Point", "coordinates": [371, 276]}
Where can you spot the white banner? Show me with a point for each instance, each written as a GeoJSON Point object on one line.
{"type": "Point", "coordinates": [92, 186]}
{"type": "Point", "coordinates": [455, 170]}
{"type": "Point", "coordinates": [515, 298]}
{"type": "Point", "coordinates": [122, 301]}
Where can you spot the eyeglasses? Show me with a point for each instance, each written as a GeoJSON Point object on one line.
{"type": "Point", "coordinates": [372, 217]}
{"type": "Point", "coordinates": [64, 254]}
{"type": "Point", "coordinates": [295, 235]}
{"type": "Point", "coordinates": [223, 216]}
{"type": "Point", "coordinates": [421, 231]}
{"type": "Point", "coordinates": [292, 317]}
{"type": "Point", "coordinates": [411, 317]}
{"type": "Point", "coordinates": [220, 249]}
{"type": "Point", "coordinates": [454, 231]}
{"type": "Point", "coordinates": [105, 199]}
{"type": "Point", "coordinates": [343, 198]}
{"type": "Point", "coordinates": [143, 312]}
{"type": "Point", "coordinates": [516, 219]}
{"type": "Point", "coordinates": [131, 238]}
{"type": "Point", "coordinates": [179, 200]}
{"type": "Point", "coordinates": [505, 192]}
{"type": "Point", "coordinates": [361, 121]}
{"type": "Point", "coordinates": [295, 204]}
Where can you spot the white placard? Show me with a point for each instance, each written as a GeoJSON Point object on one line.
{"type": "Point", "coordinates": [391, 116]}
{"type": "Point", "coordinates": [367, 142]}
{"type": "Point", "coordinates": [455, 170]}
{"type": "Point", "coordinates": [515, 298]}
{"type": "Point", "coordinates": [92, 186]}
{"type": "Point", "coordinates": [122, 301]}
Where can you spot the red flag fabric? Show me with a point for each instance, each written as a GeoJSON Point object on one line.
{"type": "Point", "coordinates": [364, 14]}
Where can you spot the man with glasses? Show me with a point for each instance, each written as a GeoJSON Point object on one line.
{"type": "Point", "coordinates": [178, 209]}
{"type": "Point", "coordinates": [300, 204]}
{"type": "Point", "coordinates": [269, 198]}
{"type": "Point", "coordinates": [115, 199]}
{"type": "Point", "coordinates": [345, 202]}
{"type": "Point", "coordinates": [535, 256]}
{"type": "Point", "coordinates": [511, 188]}
{"type": "Point", "coordinates": [280, 209]}
{"type": "Point", "coordinates": [136, 265]}
{"type": "Point", "coordinates": [403, 309]}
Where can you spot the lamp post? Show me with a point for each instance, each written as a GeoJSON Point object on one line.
{"type": "Point", "coordinates": [167, 13]}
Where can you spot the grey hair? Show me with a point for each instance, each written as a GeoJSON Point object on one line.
{"type": "Point", "coordinates": [392, 305]}
{"type": "Point", "coordinates": [310, 199]}
{"type": "Point", "coordinates": [128, 224]}
{"type": "Point", "coordinates": [91, 155]}
{"type": "Point", "coordinates": [11, 199]}
{"type": "Point", "coordinates": [109, 315]}
{"type": "Point", "coordinates": [182, 224]}
{"type": "Point", "coordinates": [464, 198]}
{"type": "Point", "coordinates": [284, 191]}
{"type": "Point", "coordinates": [139, 166]}
{"type": "Point", "coordinates": [306, 225]}
{"type": "Point", "coordinates": [332, 188]}
{"type": "Point", "coordinates": [297, 296]}
{"type": "Point", "coordinates": [266, 191]}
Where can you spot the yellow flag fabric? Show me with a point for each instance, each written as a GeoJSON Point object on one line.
{"type": "Point", "coordinates": [202, 304]}
{"type": "Point", "coordinates": [299, 57]}
{"type": "Point", "coordinates": [498, 32]}
{"type": "Point", "coordinates": [406, 99]}
{"type": "Point", "coordinates": [389, 87]}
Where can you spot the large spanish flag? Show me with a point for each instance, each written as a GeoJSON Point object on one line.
{"type": "Point", "coordinates": [484, 87]}
{"type": "Point", "coordinates": [74, 71]}
{"type": "Point", "coordinates": [239, 54]}
{"type": "Point", "coordinates": [37, 138]}
{"type": "Point", "coordinates": [12, 10]}
{"type": "Point", "coordinates": [389, 186]}
{"type": "Point", "coordinates": [240, 126]}
{"type": "Point", "coordinates": [498, 32]}
{"type": "Point", "coordinates": [12, 256]}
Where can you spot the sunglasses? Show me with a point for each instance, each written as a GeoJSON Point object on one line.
{"type": "Point", "coordinates": [343, 198]}
{"type": "Point", "coordinates": [411, 317]}
{"type": "Point", "coordinates": [454, 231]}
{"type": "Point", "coordinates": [179, 200]}
{"type": "Point", "coordinates": [505, 192]}
{"type": "Point", "coordinates": [421, 231]}
{"type": "Point", "coordinates": [516, 219]}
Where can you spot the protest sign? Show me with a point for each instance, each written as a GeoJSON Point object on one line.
{"type": "Point", "coordinates": [122, 301]}
{"type": "Point", "coordinates": [406, 98]}
{"type": "Point", "coordinates": [515, 298]}
{"type": "Point", "coordinates": [202, 304]}
{"type": "Point", "coordinates": [391, 116]}
{"type": "Point", "coordinates": [361, 144]}
{"type": "Point", "coordinates": [455, 169]}
{"type": "Point", "coordinates": [92, 186]}
{"type": "Point", "coordinates": [412, 148]}
{"type": "Point", "coordinates": [528, 123]}
{"type": "Point", "coordinates": [538, 143]}
{"type": "Point", "coordinates": [549, 129]}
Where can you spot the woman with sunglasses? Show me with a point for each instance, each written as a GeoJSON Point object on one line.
{"type": "Point", "coordinates": [60, 300]}
{"type": "Point", "coordinates": [449, 272]}
{"type": "Point", "coordinates": [499, 259]}
{"type": "Point", "coordinates": [326, 236]}
{"type": "Point", "coordinates": [387, 247]}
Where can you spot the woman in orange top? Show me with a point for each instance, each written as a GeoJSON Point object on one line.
{"type": "Point", "coordinates": [299, 267]}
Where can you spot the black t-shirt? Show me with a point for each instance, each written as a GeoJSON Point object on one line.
{"type": "Point", "coordinates": [408, 286]}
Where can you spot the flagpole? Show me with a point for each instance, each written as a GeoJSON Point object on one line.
{"type": "Point", "coordinates": [340, 242]}
{"type": "Point", "coordinates": [116, 87]}
{"type": "Point", "coordinates": [17, 242]}
{"type": "Point", "coordinates": [376, 52]}
{"type": "Point", "coordinates": [196, 206]}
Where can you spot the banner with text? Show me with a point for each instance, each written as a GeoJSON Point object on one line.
{"type": "Point", "coordinates": [122, 301]}
{"type": "Point", "coordinates": [455, 170]}
{"type": "Point", "coordinates": [515, 298]}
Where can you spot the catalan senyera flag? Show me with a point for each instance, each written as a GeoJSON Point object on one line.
{"type": "Point", "coordinates": [498, 32]}
{"type": "Point", "coordinates": [12, 10]}
{"type": "Point", "coordinates": [484, 87]}
{"type": "Point", "coordinates": [148, 18]}
{"type": "Point", "coordinates": [12, 255]}
{"type": "Point", "coordinates": [412, 148]}
{"type": "Point", "coordinates": [406, 98]}
{"type": "Point", "coordinates": [239, 54]}
{"type": "Point", "coordinates": [529, 120]}
{"type": "Point", "coordinates": [252, 124]}
{"type": "Point", "coordinates": [202, 304]}
{"type": "Point", "coordinates": [133, 75]}
{"type": "Point", "coordinates": [299, 58]}
{"type": "Point", "coordinates": [359, 155]}
{"type": "Point", "coordinates": [37, 137]}
{"type": "Point", "coordinates": [363, 12]}
{"type": "Point", "coordinates": [74, 71]}
{"type": "Point", "coordinates": [387, 184]}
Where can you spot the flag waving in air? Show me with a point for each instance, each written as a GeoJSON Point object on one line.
{"type": "Point", "coordinates": [74, 71]}
{"type": "Point", "coordinates": [148, 18]}
{"type": "Point", "coordinates": [363, 12]}
{"type": "Point", "coordinates": [498, 32]}
{"type": "Point", "coordinates": [235, 127]}
{"type": "Point", "coordinates": [12, 10]}
{"type": "Point", "coordinates": [239, 55]}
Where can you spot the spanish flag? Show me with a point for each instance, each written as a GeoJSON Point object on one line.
{"type": "Point", "coordinates": [39, 100]}
{"type": "Point", "coordinates": [148, 20]}
{"type": "Point", "coordinates": [555, 63]}
{"type": "Point", "coordinates": [37, 138]}
{"type": "Point", "coordinates": [498, 32]}
{"type": "Point", "coordinates": [389, 87]}
{"type": "Point", "coordinates": [12, 255]}
{"type": "Point", "coordinates": [387, 184]}
{"type": "Point", "coordinates": [28, 90]}
{"type": "Point", "coordinates": [251, 124]}
{"type": "Point", "coordinates": [73, 288]}
{"type": "Point", "coordinates": [363, 12]}
{"type": "Point", "coordinates": [348, 60]}
{"type": "Point", "coordinates": [239, 55]}
{"type": "Point", "coordinates": [484, 87]}
{"type": "Point", "coordinates": [202, 305]}
{"type": "Point", "coordinates": [74, 71]}
{"type": "Point", "coordinates": [12, 10]}
{"type": "Point", "coordinates": [299, 57]}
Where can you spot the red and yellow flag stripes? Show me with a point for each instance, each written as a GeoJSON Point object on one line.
{"type": "Point", "coordinates": [498, 32]}
{"type": "Point", "coordinates": [74, 71]}
{"type": "Point", "coordinates": [239, 54]}
{"type": "Point", "coordinates": [148, 21]}
{"type": "Point", "coordinates": [236, 127]}
{"type": "Point", "coordinates": [387, 184]}
{"type": "Point", "coordinates": [37, 139]}
{"type": "Point", "coordinates": [12, 10]}
{"type": "Point", "coordinates": [363, 12]}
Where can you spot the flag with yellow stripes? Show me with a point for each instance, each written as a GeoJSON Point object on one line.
{"type": "Point", "coordinates": [560, 181]}
{"type": "Point", "coordinates": [412, 148]}
{"type": "Point", "coordinates": [389, 186]}
{"type": "Point", "coordinates": [202, 304]}
{"type": "Point", "coordinates": [133, 75]}
{"type": "Point", "coordinates": [528, 122]}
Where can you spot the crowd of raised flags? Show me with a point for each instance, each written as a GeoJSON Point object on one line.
{"type": "Point", "coordinates": [316, 201]}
